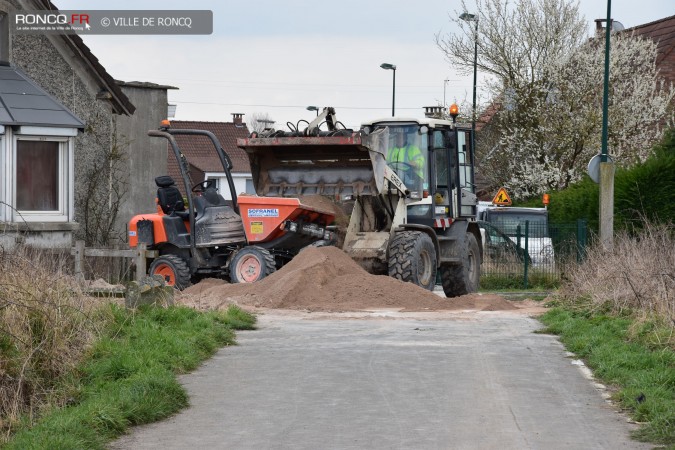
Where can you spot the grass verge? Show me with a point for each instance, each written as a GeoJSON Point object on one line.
{"type": "Point", "coordinates": [505, 281]}
{"type": "Point", "coordinates": [129, 375]}
{"type": "Point", "coordinates": [636, 357]}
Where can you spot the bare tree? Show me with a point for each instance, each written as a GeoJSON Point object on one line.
{"type": "Point", "coordinates": [517, 42]}
{"type": "Point", "coordinates": [259, 121]}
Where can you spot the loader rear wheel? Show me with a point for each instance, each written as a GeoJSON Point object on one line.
{"type": "Point", "coordinates": [173, 269]}
{"type": "Point", "coordinates": [251, 264]}
{"type": "Point", "coordinates": [463, 278]}
{"type": "Point", "coordinates": [412, 258]}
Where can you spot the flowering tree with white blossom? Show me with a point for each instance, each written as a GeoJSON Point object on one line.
{"type": "Point", "coordinates": [548, 94]}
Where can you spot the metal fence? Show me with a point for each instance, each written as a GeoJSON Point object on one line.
{"type": "Point", "coordinates": [530, 254]}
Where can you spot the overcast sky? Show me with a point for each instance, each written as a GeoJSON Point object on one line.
{"type": "Point", "coordinates": [278, 57]}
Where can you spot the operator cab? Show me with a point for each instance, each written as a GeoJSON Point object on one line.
{"type": "Point", "coordinates": [434, 159]}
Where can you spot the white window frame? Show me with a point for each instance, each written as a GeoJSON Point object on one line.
{"type": "Point", "coordinates": [64, 212]}
{"type": "Point", "coordinates": [4, 178]}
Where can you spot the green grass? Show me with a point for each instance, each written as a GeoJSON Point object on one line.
{"type": "Point", "coordinates": [129, 376]}
{"type": "Point", "coordinates": [635, 357]}
{"type": "Point", "coordinates": [535, 281]}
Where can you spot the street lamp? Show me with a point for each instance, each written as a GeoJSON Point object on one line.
{"type": "Point", "coordinates": [465, 16]}
{"type": "Point", "coordinates": [445, 83]}
{"type": "Point", "coordinates": [606, 167]}
{"type": "Point", "coordinates": [387, 66]}
{"type": "Point", "coordinates": [313, 108]}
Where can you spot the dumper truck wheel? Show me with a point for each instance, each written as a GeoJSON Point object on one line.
{"type": "Point", "coordinates": [460, 279]}
{"type": "Point", "coordinates": [412, 258]}
{"type": "Point", "coordinates": [173, 269]}
{"type": "Point", "coordinates": [251, 264]}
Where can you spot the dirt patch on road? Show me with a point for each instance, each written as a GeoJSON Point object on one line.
{"type": "Point", "coordinates": [327, 279]}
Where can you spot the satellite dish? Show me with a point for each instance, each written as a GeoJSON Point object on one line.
{"type": "Point", "coordinates": [617, 26]}
{"type": "Point", "coordinates": [594, 167]}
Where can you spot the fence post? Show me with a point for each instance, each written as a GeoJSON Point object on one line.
{"type": "Point", "coordinates": [527, 251]}
{"type": "Point", "coordinates": [141, 261]}
{"type": "Point", "coordinates": [79, 260]}
{"type": "Point", "coordinates": [581, 239]}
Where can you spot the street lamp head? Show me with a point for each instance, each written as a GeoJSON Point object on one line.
{"type": "Point", "coordinates": [312, 108]}
{"type": "Point", "coordinates": [468, 17]}
{"type": "Point", "coordinates": [387, 66]}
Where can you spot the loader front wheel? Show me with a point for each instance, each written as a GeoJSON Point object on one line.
{"type": "Point", "coordinates": [463, 278]}
{"type": "Point", "coordinates": [251, 264]}
{"type": "Point", "coordinates": [173, 269]}
{"type": "Point", "coordinates": [412, 258]}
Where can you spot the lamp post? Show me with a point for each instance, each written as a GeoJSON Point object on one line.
{"type": "Point", "coordinates": [313, 108]}
{"type": "Point", "coordinates": [387, 66]}
{"type": "Point", "coordinates": [445, 83]}
{"type": "Point", "coordinates": [606, 167]}
{"type": "Point", "coordinates": [473, 18]}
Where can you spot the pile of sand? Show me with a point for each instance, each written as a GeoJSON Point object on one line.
{"type": "Point", "coordinates": [327, 279]}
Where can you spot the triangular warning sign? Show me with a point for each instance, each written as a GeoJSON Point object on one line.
{"type": "Point", "coordinates": [502, 198]}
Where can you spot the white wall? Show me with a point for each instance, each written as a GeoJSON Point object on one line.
{"type": "Point", "coordinates": [239, 183]}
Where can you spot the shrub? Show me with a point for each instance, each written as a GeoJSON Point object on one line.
{"type": "Point", "coordinates": [638, 275]}
{"type": "Point", "coordinates": [45, 326]}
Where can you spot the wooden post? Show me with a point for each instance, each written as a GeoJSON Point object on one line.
{"type": "Point", "coordinates": [607, 170]}
{"type": "Point", "coordinates": [141, 261]}
{"type": "Point", "coordinates": [79, 260]}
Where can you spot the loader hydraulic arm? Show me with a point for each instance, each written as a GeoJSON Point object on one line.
{"type": "Point", "coordinates": [328, 115]}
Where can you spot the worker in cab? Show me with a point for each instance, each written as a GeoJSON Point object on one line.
{"type": "Point", "coordinates": [407, 160]}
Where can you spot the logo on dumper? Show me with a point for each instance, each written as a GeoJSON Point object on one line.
{"type": "Point", "coordinates": [263, 212]}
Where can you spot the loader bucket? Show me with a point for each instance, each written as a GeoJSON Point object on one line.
{"type": "Point", "coordinates": [336, 166]}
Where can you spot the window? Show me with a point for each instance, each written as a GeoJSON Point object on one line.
{"type": "Point", "coordinates": [37, 175]}
{"type": "Point", "coordinates": [42, 179]}
{"type": "Point", "coordinates": [408, 156]}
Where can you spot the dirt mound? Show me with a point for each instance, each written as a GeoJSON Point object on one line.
{"type": "Point", "coordinates": [327, 279]}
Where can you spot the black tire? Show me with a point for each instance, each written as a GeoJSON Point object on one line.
{"type": "Point", "coordinates": [463, 278]}
{"type": "Point", "coordinates": [251, 264]}
{"type": "Point", "coordinates": [412, 258]}
{"type": "Point", "coordinates": [173, 268]}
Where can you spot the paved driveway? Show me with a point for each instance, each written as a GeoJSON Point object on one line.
{"type": "Point", "coordinates": [387, 380]}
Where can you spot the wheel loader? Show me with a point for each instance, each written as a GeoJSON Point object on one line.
{"type": "Point", "coordinates": [203, 235]}
{"type": "Point", "coordinates": [409, 221]}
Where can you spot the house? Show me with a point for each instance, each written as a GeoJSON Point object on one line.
{"type": "Point", "coordinates": [59, 117]}
{"type": "Point", "coordinates": [203, 160]}
{"type": "Point", "coordinates": [70, 153]}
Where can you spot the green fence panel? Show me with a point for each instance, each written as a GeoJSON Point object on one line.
{"type": "Point", "coordinates": [534, 255]}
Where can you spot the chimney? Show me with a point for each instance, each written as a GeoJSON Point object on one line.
{"type": "Point", "coordinates": [615, 25]}
{"type": "Point", "coordinates": [237, 119]}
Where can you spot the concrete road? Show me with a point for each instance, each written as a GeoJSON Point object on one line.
{"type": "Point", "coordinates": [389, 380]}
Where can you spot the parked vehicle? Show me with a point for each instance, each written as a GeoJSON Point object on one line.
{"type": "Point", "coordinates": [512, 220]}
{"type": "Point", "coordinates": [498, 247]}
